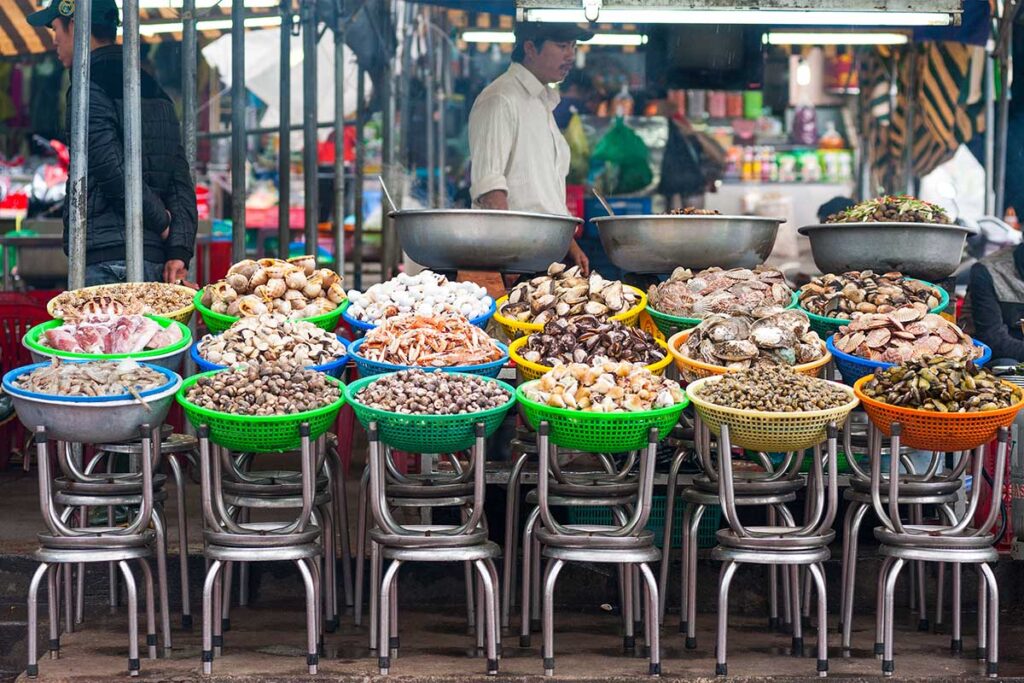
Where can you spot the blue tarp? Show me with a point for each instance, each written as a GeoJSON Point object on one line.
{"type": "Point", "coordinates": [495, 6]}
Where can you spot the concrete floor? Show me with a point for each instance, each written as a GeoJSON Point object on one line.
{"type": "Point", "coordinates": [266, 642]}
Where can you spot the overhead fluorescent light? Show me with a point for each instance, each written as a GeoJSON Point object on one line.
{"type": "Point", "coordinates": [200, 4]}
{"type": "Point", "coordinates": [750, 16]}
{"type": "Point", "coordinates": [613, 39]}
{"type": "Point", "coordinates": [823, 38]}
{"type": "Point", "coordinates": [206, 25]}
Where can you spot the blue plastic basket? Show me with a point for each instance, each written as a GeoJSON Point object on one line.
{"type": "Point", "coordinates": [12, 375]}
{"type": "Point", "coordinates": [852, 368]}
{"type": "Point", "coordinates": [368, 367]}
{"type": "Point", "coordinates": [335, 368]}
{"type": "Point", "coordinates": [360, 327]}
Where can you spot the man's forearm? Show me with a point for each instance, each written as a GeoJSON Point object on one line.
{"type": "Point", "coordinates": [496, 200]}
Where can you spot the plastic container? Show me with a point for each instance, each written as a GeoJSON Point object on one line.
{"type": "Point", "coordinates": [515, 329]}
{"type": "Point", "coordinates": [258, 433]}
{"type": "Point", "coordinates": [360, 327]}
{"type": "Point", "coordinates": [218, 322]}
{"type": "Point", "coordinates": [852, 368]}
{"type": "Point", "coordinates": [529, 370]}
{"type": "Point", "coordinates": [691, 369]}
{"type": "Point", "coordinates": [427, 433]}
{"type": "Point", "coordinates": [368, 367]}
{"type": "Point", "coordinates": [826, 326]}
{"type": "Point", "coordinates": [335, 368]}
{"type": "Point", "coordinates": [599, 432]}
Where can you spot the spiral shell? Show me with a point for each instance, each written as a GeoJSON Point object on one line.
{"type": "Point", "coordinates": [251, 305]}
{"type": "Point", "coordinates": [307, 263]}
{"type": "Point", "coordinates": [259, 277]}
{"type": "Point", "coordinates": [336, 293]}
{"type": "Point", "coordinates": [296, 279]}
{"type": "Point", "coordinates": [245, 267]}
{"type": "Point", "coordinates": [328, 277]}
{"type": "Point", "coordinates": [222, 291]}
{"type": "Point", "coordinates": [274, 289]}
{"type": "Point", "coordinates": [314, 287]}
{"type": "Point", "coordinates": [237, 281]}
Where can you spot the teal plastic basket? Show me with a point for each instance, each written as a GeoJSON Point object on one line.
{"type": "Point", "coordinates": [706, 530]}
{"type": "Point", "coordinates": [826, 327]}
{"type": "Point", "coordinates": [428, 433]}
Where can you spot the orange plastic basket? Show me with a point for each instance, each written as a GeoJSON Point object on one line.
{"type": "Point", "coordinates": [929, 430]}
{"type": "Point", "coordinates": [529, 370]}
{"type": "Point", "coordinates": [691, 369]}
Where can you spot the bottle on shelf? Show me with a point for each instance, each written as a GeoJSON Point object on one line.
{"type": "Point", "coordinates": [622, 103]}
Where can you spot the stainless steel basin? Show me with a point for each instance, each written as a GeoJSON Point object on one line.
{"type": "Point", "coordinates": [659, 244]}
{"type": "Point", "coordinates": [923, 250]}
{"type": "Point", "coordinates": [468, 239]}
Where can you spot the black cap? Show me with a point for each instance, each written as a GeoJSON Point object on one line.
{"type": "Point", "coordinates": [103, 12]}
{"type": "Point", "coordinates": [558, 33]}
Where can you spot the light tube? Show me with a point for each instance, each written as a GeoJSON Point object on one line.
{"type": "Point", "coordinates": [620, 39]}
{"type": "Point", "coordinates": [751, 16]}
{"type": "Point", "coordinates": [822, 38]}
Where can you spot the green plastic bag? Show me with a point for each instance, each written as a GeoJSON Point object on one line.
{"type": "Point", "coordinates": [624, 158]}
{"type": "Point", "coordinates": [579, 150]}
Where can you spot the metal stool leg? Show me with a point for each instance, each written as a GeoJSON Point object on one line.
{"type": "Point", "coordinates": [629, 640]}
{"type": "Point", "coordinates": [691, 589]}
{"type": "Point", "coordinates": [147, 578]}
{"type": "Point", "coordinates": [471, 620]}
{"type": "Point", "coordinates": [160, 526]}
{"type": "Point", "coordinates": [922, 585]}
{"type": "Point", "coordinates": [493, 569]}
{"type": "Point", "coordinates": [364, 482]}
{"type": "Point", "coordinates": [330, 568]}
{"type": "Point", "coordinates": [69, 595]}
{"type": "Point", "coordinates": [32, 670]}
{"type": "Point", "coordinates": [182, 510]}
{"type": "Point", "coordinates": [511, 538]}
{"type": "Point", "coordinates": [209, 587]}
{"type": "Point", "coordinates": [488, 595]}
{"type": "Point", "coordinates": [375, 572]}
{"type": "Point", "coordinates": [666, 537]}
{"type": "Point", "coordinates": [133, 618]}
{"type": "Point", "coordinates": [889, 616]}
{"type": "Point", "coordinates": [956, 644]}
{"type": "Point", "coordinates": [850, 567]}
{"type": "Point", "coordinates": [728, 571]}
{"type": "Point", "coordinates": [684, 569]}
{"type": "Point", "coordinates": [228, 576]}
{"type": "Point", "coordinates": [548, 615]}
{"type": "Point", "coordinates": [940, 595]}
{"type": "Point", "coordinates": [341, 521]}
{"type": "Point", "coordinates": [987, 577]}
{"type": "Point", "coordinates": [816, 571]}
{"type": "Point", "coordinates": [773, 581]}
{"type": "Point", "coordinates": [312, 617]}
{"type": "Point", "coordinates": [524, 627]}
{"type": "Point", "coordinates": [880, 607]}
{"type": "Point", "coordinates": [243, 567]}
{"type": "Point", "coordinates": [384, 597]}
{"type": "Point", "coordinates": [53, 600]}
{"type": "Point", "coordinates": [654, 637]}
{"type": "Point", "coordinates": [982, 653]}
{"type": "Point", "coordinates": [218, 608]}
{"type": "Point", "coordinates": [794, 590]}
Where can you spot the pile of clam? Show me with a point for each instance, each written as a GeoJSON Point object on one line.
{"type": "Point", "coordinates": [279, 388]}
{"type": "Point", "coordinates": [773, 389]}
{"type": "Point", "coordinates": [425, 293]}
{"type": "Point", "coordinates": [942, 385]}
{"type": "Point", "coordinates": [96, 378]}
{"type": "Point", "coordinates": [739, 290]}
{"type": "Point", "coordinates": [417, 392]}
{"type": "Point", "coordinates": [769, 336]}
{"type": "Point", "coordinates": [580, 339]}
{"type": "Point", "coordinates": [125, 298]}
{"type": "Point", "coordinates": [270, 337]}
{"type": "Point", "coordinates": [842, 296]}
{"type": "Point", "coordinates": [905, 334]}
{"type": "Point", "coordinates": [563, 293]}
{"type": "Point", "coordinates": [605, 387]}
{"type": "Point", "coordinates": [295, 288]}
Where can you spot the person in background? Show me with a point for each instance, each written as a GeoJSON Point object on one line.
{"type": "Point", "coordinates": [168, 195]}
{"type": "Point", "coordinates": [995, 304]}
{"type": "Point", "coordinates": [519, 157]}
{"type": "Point", "coordinates": [834, 206]}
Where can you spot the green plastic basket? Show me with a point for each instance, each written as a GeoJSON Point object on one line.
{"type": "Point", "coordinates": [428, 433]}
{"type": "Point", "coordinates": [31, 342]}
{"type": "Point", "coordinates": [599, 432]}
{"type": "Point", "coordinates": [258, 434]}
{"type": "Point", "coordinates": [826, 327]}
{"type": "Point", "coordinates": [671, 324]}
{"type": "Point", "coordinates": [218, 322]}
{"type": "Point", "coordinates": [707, 530]}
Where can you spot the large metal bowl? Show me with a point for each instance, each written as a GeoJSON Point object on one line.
{"type": "Point", "coordinates": [468, 239]}
{"type": "Point", "coordinates": [659, 244]}
{"type": "Point", "coordinates": [922, 250]}
{"type": "Point", "coordinates": [99, 422]}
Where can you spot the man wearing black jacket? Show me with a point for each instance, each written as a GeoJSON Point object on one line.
{"type": "Point", "coordinates": [168, 195]}
{"type": "Point", "coordinates": [996, 297]}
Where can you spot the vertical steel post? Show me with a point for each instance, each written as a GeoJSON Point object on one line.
{"type": "Point", "coordinates": [339, 139]}
{"type": "Point", "coordinates": [309, 118]}
{"type": "Point", "coordinates": [284, 142]}
{"type": "Point", "coordinates": [389, 238]}
{"type": "Point", "coordinates": [908, 130]}
{"type": "Point", "coordinates": [442, 104]}
{"type": "Point", "coordinates": [428, 101]}
{"type": "Point", "coordinates": [189, 65]}
{"type": "Point", "coordinates": [357, 235]}
{"type": "Point", "coordinates": [238, 137]}
{"type": "Point", "coordinates": [990, 135]}
{"type": "Point", "coordinates": [77, 203]}
{"type": "Point", "coordinates": [132, 142]}
{"type": "Point", "coordinates": [1003, 113]}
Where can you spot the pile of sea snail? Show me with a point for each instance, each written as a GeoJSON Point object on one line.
{"type": "Point", "coordinates": [939, 384]}
{"type": "Point", "coordinates": [418, 392]}
{"type": "Point", "coordinates": [295, 288]}
{"type": "Point", "coordinates": [578, 340]}
{"type": "Point", "coordinates": [773, 389]}
{"type": "Point", "coordinates": [564, 292]}
{"type": "Point", "coordinates": [262, 390]}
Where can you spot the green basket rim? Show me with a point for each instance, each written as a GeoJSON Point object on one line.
{"type": "Point", "coordinates": [206, 412]}
{"type": "Point", "coordinates": [355, 387]}
{"type": "Point", "coordinates": [31, 337]}
{"type": "Point", "coordinates": [229, 320]}
{"type": "Point", "coordinates": [693, 322]}
{"type": "Point", "coordinates": [597, 417]}
{"type": "Point", "coordinates": [839, 322]}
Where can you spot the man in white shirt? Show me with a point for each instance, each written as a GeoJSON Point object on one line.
{"type": "Point", "coordinates": [519, 157]}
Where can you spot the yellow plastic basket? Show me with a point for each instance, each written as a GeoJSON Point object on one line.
{"type": "Point", "coordinates": [529, 370]}
{"type": "Point", "coordinates": [516, 329]}
{"type": "Point", "coordinates": [769, 432]}
{"type": "Point", "coordinates": [182, 315]}
{"type": "Point", "coordinates": [691, 369]}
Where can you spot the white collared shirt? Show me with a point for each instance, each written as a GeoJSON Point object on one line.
{"type": "Point", "coordinates": [515, 144]}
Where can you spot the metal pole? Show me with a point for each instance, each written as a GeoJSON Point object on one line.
{"type": "Point", "coordinates": [238, 137]}
{"type": "Point", "coordinates": [339, 139]}
{"type": "Point", "coordinates": [388, 237]}
{"type": "Point", "coordinates": [79, 149]}
{"type": "Point", "coordinates": [309, 119]}
{"type": "Point", "coordinates": [442, 103]}
{"type": "Point", "coordinates": [428, 111]}
{"type": "Point", "coordinates": [990, 136]}
{"type": "Point", "coordinates": [908, 131]}
{"type": "Point", "coordinates": [1005, 66]}
{"type": "Point", "coordinates": [189, 65]}
{"type": "Point", "coordinates": [357, 235]}
{"type": "Point", "coordinates": [284, 159]}
{"type": "Point", "coordinates": [132, 143]}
